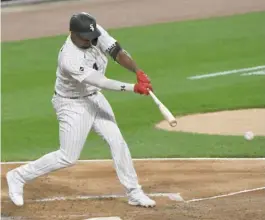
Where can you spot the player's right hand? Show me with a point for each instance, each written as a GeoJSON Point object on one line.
{"type": "Point", "coordinates": [142, 77]}
{"type": "Point", "coordinates": [143, 88]}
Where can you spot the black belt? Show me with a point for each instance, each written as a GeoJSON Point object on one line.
{"type": "Point", "coordinates": [80, 97]}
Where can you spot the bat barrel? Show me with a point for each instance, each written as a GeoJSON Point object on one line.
{"type": "Point", "coordinates": [164, 110]}
{"type": "Point", "coordinates": [173, 123]}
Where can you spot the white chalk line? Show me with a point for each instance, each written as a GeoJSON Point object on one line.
{"type": "Point", "coordinates": [173, 196]}
{"type": "Point", "coordinates": [260, 72]}
{"type": "Point", "coordinates": [226, 72]}
{"type": "Point", "coordinates": [154, 159]}
{"type": "Point", "coordinates": [225, 195]}
{"type": "Point", "coordinates": [59, 216]}
{"type": "Point", "coordinates": [66, 216]}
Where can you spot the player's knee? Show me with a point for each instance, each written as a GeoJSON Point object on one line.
{"type": "Point", "coordinates": [65, 159]}
{"type": "Point", "coordinates": [117, 143]}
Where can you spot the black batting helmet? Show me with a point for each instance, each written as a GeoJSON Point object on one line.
{"type": "Point", "coordinates": [85, 26]}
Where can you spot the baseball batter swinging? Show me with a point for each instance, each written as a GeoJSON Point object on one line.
{"type": "Point", "coordinates": [80, 107]}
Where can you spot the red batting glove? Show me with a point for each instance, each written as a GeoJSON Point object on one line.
{"type": "Point", "coordinates": [143, 88]}
{"type": "Point", "coordinates": [142, 77]}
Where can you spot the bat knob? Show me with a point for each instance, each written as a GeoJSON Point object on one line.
{"type": "Point", "coordinates": [173, 123]}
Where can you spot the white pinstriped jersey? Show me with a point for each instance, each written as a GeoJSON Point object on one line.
{"type": "Point", "coordinates": [75, 64]}
{"type": "Point", "coordinates": [78, 116]}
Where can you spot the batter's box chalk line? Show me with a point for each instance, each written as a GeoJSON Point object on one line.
{"type": "Point", "coordinates": [226, 195]}
{"type": "Point", "coordinates": [172, 196]}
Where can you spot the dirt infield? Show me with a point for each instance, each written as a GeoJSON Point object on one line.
{"type": "Point", "coordinates": [192, 179]}
{"type": "Point", "coordinates": [235, 122]}
{"type": "Point", "coordinates": [52, 18]}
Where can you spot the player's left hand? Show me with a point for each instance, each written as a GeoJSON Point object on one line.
{"type": "Point", "coordinates": [142, 77]}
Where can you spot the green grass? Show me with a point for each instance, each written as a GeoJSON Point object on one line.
{"type": "Point", "coordinates": [169, 53]}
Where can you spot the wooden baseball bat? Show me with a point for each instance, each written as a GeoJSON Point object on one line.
{"type": "Point", "coordinates": [164, 110]}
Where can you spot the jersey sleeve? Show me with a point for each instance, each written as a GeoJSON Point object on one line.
{"type": "Point", "coordinates": [77, 68]}
{"type": "Point", "coordinates": [105, 41]}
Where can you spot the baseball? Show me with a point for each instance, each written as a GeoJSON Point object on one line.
{"type": "Point", "coordinates": [249, 135]}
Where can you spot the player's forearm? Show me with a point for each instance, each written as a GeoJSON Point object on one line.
{"type": "Point", "coordinates": [115, 85]}
{"type": "Point", "coordinates": [109, 84]}
{"type": "Point", "coordinates": [126, 61]}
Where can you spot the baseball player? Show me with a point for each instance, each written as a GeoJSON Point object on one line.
{"type": "Point", "coordinates": [80, 107]}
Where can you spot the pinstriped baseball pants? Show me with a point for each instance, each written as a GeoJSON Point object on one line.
{"type": "Point", "coordinates": [76, 118]}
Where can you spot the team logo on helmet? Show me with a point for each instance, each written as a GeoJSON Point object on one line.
{"type": "Point", "coordinates": [92, 27]}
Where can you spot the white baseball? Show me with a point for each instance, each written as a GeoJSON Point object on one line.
{"type": "Point", "coordinates": [249, 135]}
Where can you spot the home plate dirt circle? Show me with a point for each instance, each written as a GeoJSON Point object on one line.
{"type": "Point", "coordinates": [236, 122]}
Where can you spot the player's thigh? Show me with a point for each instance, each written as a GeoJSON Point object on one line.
{"type": "Point", "coordinates": [105, 123]}
{"type": "Point", "coordinates": [104, 109]}
{"type": "Point", "coordinates": [75, 122]}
